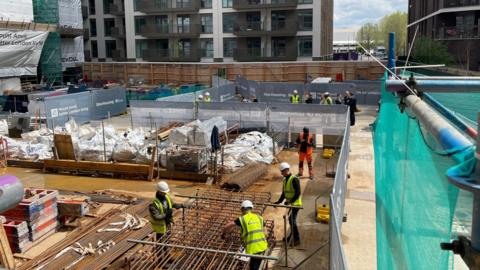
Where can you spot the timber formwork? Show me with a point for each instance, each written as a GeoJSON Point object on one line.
{"type": "Point", "coordinates": [201, 227]}
{"type": "Point", "coordinates": [177, 74]}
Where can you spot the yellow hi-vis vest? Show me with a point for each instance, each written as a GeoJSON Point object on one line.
{"type": "Point", "coordinates": [295, 99]}
{"type": "Point", "coordinates": [207, 99]}
{"type": "Point", "coordinates": [160, 226]}
{"type": "Point", "coordinates": [327, 101]}
{"type": "Point", "coordinates": [290, 192]}
{"type": "Point", "coordinates": [253, 235]}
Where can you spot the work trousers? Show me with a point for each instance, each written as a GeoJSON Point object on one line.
{"type": "Point", "coordinates": [255, 263]}
{"type": "Point", "coordinates": [293, 225]}
{"type": "Point", "coordinates": [301, 157]}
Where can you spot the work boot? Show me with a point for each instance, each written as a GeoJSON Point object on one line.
{"type": "Point", "coordinates": [300, 171]}
{"type": "Point", "coordinates": [296, 243]}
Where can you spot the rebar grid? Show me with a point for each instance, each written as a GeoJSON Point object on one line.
{"type": "Point", "coordinates": [202, 227]}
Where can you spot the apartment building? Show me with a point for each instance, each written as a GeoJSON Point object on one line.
{"type": "Point", "coordinates": [208, 30]}
{"type": "Point", "coordinates": [453, 22]}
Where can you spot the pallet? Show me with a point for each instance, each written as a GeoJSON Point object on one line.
{"type": "Point", "coordinates": [95, 167]}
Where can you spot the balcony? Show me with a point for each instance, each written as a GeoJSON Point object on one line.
{"type": "Point", "coordinates": [149, 6]}
{"type": "Point", "coordinates": [170, 30]}
{"type": "Point", "coordinates": [284, 28]}
{"type": "Point", "coordinates": [117, 9]}
{"type": "Point", "coordinates": [460, 3]}
{"type": "Point", "coordinates": [250, 29]}
{"type": "Point", "coordinates": [459, 33]}
{"type": "Point", "coordinates": [70, 32]}
{"type": "Point", "coordinates": [118, 32]}
{"type": "Point", "coordinates": [171, 55]}
{"type": "Point", "coordinates": [119, 55]}
{"type": "Point", "coordinates": [88, 56]}
{"type": "Point", "coordinates": [84, 11]}
{"type": "Point", "coordinates": [258, 4]}
{"type": "Point", "coordinates": [258, 54]}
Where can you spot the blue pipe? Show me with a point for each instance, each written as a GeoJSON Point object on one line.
{"type": "Point", "coordinates": [437, 85]}
{"type": "Point", "coordinates": [391, 52]}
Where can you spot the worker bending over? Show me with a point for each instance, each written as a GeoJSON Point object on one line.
{"type": "Point", "coordinates": [161, 212]}
{"type": "Point", "coordinates": [305, 142]}
{"type": "Point", "coordinates": [291, 194]}
{"type": "Point", "coordinates": [295, 98]}
{"type": "Point", "coordinates": [252, 230]}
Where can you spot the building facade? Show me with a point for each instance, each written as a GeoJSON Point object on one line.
{"type": "Point", "coordinates": [454, 22]}
{"type": "Point", "coordinates": [208, 30]}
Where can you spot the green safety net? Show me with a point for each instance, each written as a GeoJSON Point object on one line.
{"type": "Point", "coordinates": [415, 204]}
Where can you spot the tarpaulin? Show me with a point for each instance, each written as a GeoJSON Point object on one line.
{"type": "Point", "coordinates": [20, 51]}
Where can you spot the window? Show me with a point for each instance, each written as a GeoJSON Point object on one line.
{"type": "Point", "coordinates": [93, 27]}
{"type": "Point", "coordinates": [279, 46]}
{"type": "Point", "coordinates": [184, 47]}
{"type": "Point", "coordinates": [278, 20]}
{"type": "Point", "coordinates": [94, 49]}
{"type": "Point", "coordinates": [206, 23]}
{"type": "Point", "coordinates": [110, 46]}
{"type": "Point", "coordinates": [305, 20]}
{"type": "Point", "coordinates": [91, 7]}
{"type": "Point", "coordinates": [139, 23]}
{"type": "Point", "coordinates": [229, 46]}
{"type": "Point", "coordinates": [206, 4]}
{"type": "Point", "coordinates": [227, 3]}
{"type": "Point", "coordinates": [183, 24]}
{"type": "Point", "coordinates": [305, 46]}
{"type": "Point", "coordinates": [135, 5]}
{"type": "Point", "coordinates": [207, 47]}
{"type": "Point", "coordinates": [106, 6]}
{"type": "Point", "coordinates": [140, 46]}
{"type": "Point", "coordinates": [305, 1]}
{"type": "Point", "coordinates": [109, 25]}
{"type": "Point", "coordinates": [228, 22]}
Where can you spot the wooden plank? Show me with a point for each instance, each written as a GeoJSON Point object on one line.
{"type": "Point", "coordinates": [178, 175]}
{"type": "Point", "coordinates": [6, 256]}
{"type": "Point", "coordinates": [64, 146]}
{"type": "Point", "coordinates": [25, 164]}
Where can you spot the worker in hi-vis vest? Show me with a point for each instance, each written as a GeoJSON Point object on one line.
{"type": "Point", "coordinates": [305, 143]}
{"type": "Point", "coordinates": [207, 97]}
{"type": "Point", "coordinates": [291, 194]}
{"type": "Point", "coordinates": [252, 230]}
{"type": "Point", "coordinates": [161, 212]}
{"type": "Point", "coordinates": [295, 98]}
{"type": "Point", "coordinates": [326, 99]}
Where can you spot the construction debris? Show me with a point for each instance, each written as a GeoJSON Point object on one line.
{"type": "Point", "coordinates": [243, 178]}
{"type": "Point", "coordinates": [132, 222]}
{"type": "Point", "coordinates": [186, 158]}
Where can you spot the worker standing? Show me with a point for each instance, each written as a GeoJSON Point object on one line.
{"type": "Point", "coordinates": [291, 194]}
{"type": "Point", "coordinates": [200, 98]}
{"type": "Point", "coordinates": [252, 230]}
{"type": "Point", "coordinates": [326, 100]}
{"type": "Point", "coordinates": [207, 97]}
{"type": "Point", "coordinates": [305, 142]}
{"type": "Point", "coordinates": [161, 213]}
{"type": "Point", "coordinates": [295, 98]}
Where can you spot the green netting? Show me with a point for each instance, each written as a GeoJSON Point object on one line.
{"type": "Point", "coordinates": [415, 204]}
{"type": "Point", "coordinates": [46, 11]}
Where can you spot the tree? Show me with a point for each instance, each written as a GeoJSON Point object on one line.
{"type": "Point", "coordinates": [397, 23]}
{"type": "Point", "coordinates": [367, 35]}
{"type": "Point", "coordinates": [429, 51]}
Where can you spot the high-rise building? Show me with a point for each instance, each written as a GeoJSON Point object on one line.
{"type": "Point", "coordinates": [454, 22]}
{"type": "Point", "coordinates": [208, 30]}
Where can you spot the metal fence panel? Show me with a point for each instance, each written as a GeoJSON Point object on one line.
{"type": "Point", "coordinates": [321, 119]}
{"type": "Point", "coordinates": [337, 254]}
{"type": "Point", "coordinates": [248, 115]}
{"type": "Point", "coordinates": [247, 88]}
{"type": "Point", "coordinates": [59, 109]}
{"type": "Point", "coordinates": [146, 113]}
{"type": "Point", "coordinates": [108, 102]}
{"type": "Point", "coordinates": [278, 92]}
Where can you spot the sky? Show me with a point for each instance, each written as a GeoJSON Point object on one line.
{"type": "Point", "coordinates": [354, 13]}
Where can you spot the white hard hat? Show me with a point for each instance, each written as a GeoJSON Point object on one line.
{"type": "Point", "coordinates": [284, 166]}
{"type": "Point", "coordinates": [207, 94]}
{"type": "Point", "coordinates": [247, 204]}
{"type": "Point", "coordinates": [162, 186]}
{"type": "Point", "coordinates": [327, 93]}
{"type": "Point", "coordinates": [295, 91]}
{"type": "Point", "coordinates": [200, 96]}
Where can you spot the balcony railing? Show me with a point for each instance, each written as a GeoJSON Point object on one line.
{"type": "Point", "coordinates": [288, 53]}
{"type": "Point", "coordinates": [460, 3]}
{"type": "Point", "coordinates": [119, 55]}
{"type": "Point", "coordinates": [459, 33]}
{"type": "Point", "coordinates": [247, 29]}
{"type": "Point", "coordinates": [70, 32]}
{"type": "Point", "coordinates": [166, 6]}
{"type": "Point", "coordinates": [116, 9]}
{"type": "Point", "coordinates": [170, 30]}
{"type": "Point", "coordinates": [284, 28]}
{"type": "Point", "coordinates": [172, 55]}
{"type": "Point", "coordinates": [256, 4]}
{"type": "Point", "coordinates": [118, 32]}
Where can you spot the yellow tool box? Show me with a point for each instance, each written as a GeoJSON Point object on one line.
{"type": "Point", "coordinates": [328, 153]}
{"type": "Point", "coordinates": [323, 213]}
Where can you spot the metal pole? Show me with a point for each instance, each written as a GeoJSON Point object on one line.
{"type": "Point", "coordinates": [157, 152]}
{"type": "Point", "coordinates": [285, 238]}
{"type": "Point", "coordinates": [236, 201]}
{"type": "Point", "coordinates": [131, 117]}
{"type": "Point", "coordinates": [231, 253]}
{"type": "Point", "coordinates": [104, 147]}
